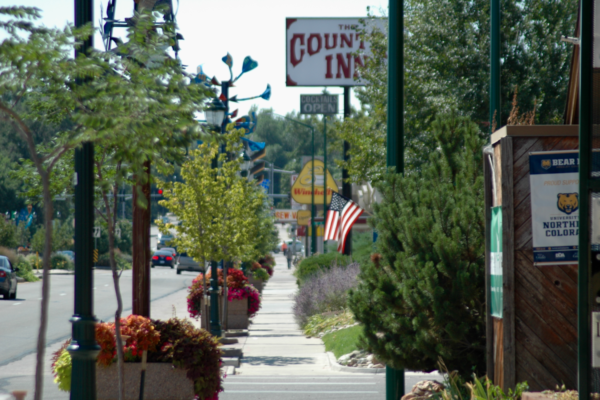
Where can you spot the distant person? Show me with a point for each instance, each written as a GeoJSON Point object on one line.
{"type": "Point", "coordinates": [289, 256]}
{"type": "Point", "coordinates": [284, 248]}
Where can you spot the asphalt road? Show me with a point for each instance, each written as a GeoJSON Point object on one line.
{"type": "Point", "coordinates": [19, 319]}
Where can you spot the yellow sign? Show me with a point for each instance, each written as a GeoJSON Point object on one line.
{"type": "Point", "coordinates": [302, 188]}
{"type": "Point", "coordinates": [320, 229]}
{"type": "Point", "coordinates": [303, 217]}
{"type": "Point", "coordinates": [95, 255]}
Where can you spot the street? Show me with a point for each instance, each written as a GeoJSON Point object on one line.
{"type": "Point", "coordinates": [20, 317]}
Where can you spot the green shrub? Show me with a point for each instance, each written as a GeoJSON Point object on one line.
{"type": "Point", "coordinates": [123, 261]}
{"type": "Point", "coordinates": [319, 262]}
{"type": "Point", "coordinates": [26, 270]}
{"type": "Point", "coordinates": [423, 297]}
{"type": "Point", "coordinates": [260, 274]}
{"type": "Point", "coordinates": [10, 254]}
{"type": "Point", "coordinates": [343, 341]}
{"type": "Point", "coordinates": [61, 261]}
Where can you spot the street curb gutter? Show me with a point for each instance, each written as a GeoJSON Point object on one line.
{"type": "Point", "coordinates": [342, 368]}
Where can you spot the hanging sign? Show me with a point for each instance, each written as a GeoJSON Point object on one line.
{"type": "Point", "coordinates": [554, 177]}
{"type": "Point", "coordinates": [283, 216]}
{"type": "Point", "coordinates": [326, 51]}
{"type": "Point", "coordinates": [302, 187]}
{"type": "Point", "coordinates": [319, 104]}
{"type": "Point", "coordinates": [496, 262]}
{"type": "Point", "coordinates": [303, 217]}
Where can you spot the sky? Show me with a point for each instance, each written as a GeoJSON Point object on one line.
{"type": "Point", "coordinates": [211, 29]}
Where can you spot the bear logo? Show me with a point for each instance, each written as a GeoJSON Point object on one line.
{"type": "Point", "coordinates": [568, 202]}
{"type": "Point", "coordinates": [546, 164]}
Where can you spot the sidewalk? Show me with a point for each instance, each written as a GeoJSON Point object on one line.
{"type": "Point", "coordinates": [276, 345]}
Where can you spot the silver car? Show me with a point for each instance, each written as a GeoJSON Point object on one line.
{"type": "Point", "coordinates": [187, 263]}
{"type": "Point", "coordinates": [8, 279]}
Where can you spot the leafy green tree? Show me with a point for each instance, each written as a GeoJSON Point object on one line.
{"type": "Point", "coordinates": [218, 210]}
{"type": "Point", "coordinates": [62, 237]}
{"type": "Point", "coordinates": [423, 297]}
{"type": "Point", "coordinates": [135, 104]}
{"type": "Point", "coordinates": [447, 68]}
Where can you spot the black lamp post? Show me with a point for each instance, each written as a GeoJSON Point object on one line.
{"type": "Point", "coordinates": [215, 114]}
{"type": "Point", "coordinates": [83, 348]}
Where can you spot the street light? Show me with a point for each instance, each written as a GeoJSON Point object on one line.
{"type": "Point", "coordinates": [215, 113]}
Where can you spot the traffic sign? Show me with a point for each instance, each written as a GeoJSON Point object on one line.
{"type": "Point", "coordinates": [97, 231]}
{"type": "Point", "coordinates": [95, 255]}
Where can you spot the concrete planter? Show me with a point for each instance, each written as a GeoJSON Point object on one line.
{"type": "Point", "coordinates": [237, 314]}
{"type": "Point", "coordinates": [162, 382]}
{"type": "Point", "coordinates": [257, 283]}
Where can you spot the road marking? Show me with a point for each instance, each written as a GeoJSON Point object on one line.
{"type": "Point", "coordinates": [299, 392]}
{"type": "Point", "coordinates": [303, 383]}
{"type": "Point", "coordinates": [63, 294]}
{"type": "Point", "coordinates": [16, 304]}
{"type": "Point", "coordinates": [106, 284]}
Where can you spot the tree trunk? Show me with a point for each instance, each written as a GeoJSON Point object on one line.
{"type": "Point", "coordinates": [141, 246]}
{"type": "Point", "coordinates": [41, 342]}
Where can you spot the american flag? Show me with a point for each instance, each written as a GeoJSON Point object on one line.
{"type": "Point", "coordinates": [341, 215]}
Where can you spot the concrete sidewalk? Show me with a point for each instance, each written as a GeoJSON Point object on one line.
{"type": "Point", "coordinates": [276, 345]}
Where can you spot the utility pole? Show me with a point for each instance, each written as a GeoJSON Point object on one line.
{"type": "Point", "coordinates": [394, 378]}
{"type": "Point", "coordinates": [83, 348]}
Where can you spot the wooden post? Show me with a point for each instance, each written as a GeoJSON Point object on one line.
{"type": "Point", "coordinates": [508, 256]}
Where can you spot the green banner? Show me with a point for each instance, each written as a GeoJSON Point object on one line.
{"type": "Point", "coordinates": [496, 262]}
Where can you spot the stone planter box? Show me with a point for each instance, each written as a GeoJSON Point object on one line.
{"type": "Point", "coordinates": [237, 314]}
{"type": "Point", "coordinates": [237, 317]}
{"type": "Point", "coordinates": [259, 284]}
{"type": "Point", "coordinates": [162, 382]}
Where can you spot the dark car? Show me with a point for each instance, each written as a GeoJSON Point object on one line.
{"type": "Point", "coordinates": [187, 263]}
{"type": "Point", "coordinates": [163, 259]}
{"type": "Point", "coordinates": [8, 279]}
{"type": "Point", "coordinates": [172, 250]}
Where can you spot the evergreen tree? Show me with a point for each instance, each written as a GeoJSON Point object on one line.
{"type": "Point", "coordinates": [423, 297]}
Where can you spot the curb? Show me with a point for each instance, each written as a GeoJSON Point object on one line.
{"type": "Point", "coordinates": [228, 370]}
{"type": "Point", "coordinates": [342, 368]}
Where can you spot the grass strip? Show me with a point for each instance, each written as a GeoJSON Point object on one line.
{"type": "Point", "coordinates": [343, 341]}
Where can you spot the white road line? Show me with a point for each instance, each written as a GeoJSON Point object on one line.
{"type": "Point", "coordinates": [16, 304]}
{"type": "Point", "coordinates": [63, 294]}
{"type": "Point", "coordinates": [292, 383]}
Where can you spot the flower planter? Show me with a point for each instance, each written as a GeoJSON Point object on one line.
{"type": "Point", "coordinates": [237, 314]}
{"type": "Point", "coordinates": [257, 283]}
{"type": "Point", "coordinates": [162, 382]}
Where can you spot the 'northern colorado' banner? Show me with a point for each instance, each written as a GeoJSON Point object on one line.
{"type": "Point", "coordinates": [554, 181]}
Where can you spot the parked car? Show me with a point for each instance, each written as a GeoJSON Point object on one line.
{"type": "Point", "coordinates": [8, 279]}
{"type": "Point", "coordinates": [187, 263]}
{"type": "Point", "coordinates": [163, 258]}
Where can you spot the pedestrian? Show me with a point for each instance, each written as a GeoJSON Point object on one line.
{"type": "Point", "coordinates": [284, 247]}
{"type": "Point", "coordinates": [289, 256]}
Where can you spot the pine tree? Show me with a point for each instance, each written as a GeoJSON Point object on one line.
{"type": "Point", "coordinates": [423, 296]}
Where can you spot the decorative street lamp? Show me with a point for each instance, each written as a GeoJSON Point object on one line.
{"type": "Point", "coordinates": [218, 115]}
{"type": "Point", "coordinates": [215, 113]}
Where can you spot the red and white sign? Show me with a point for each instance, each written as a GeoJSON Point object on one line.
{"type": "Point", "coordinates": [286, 215]}
{"type": "Point", "coordinates": [320, 51]}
